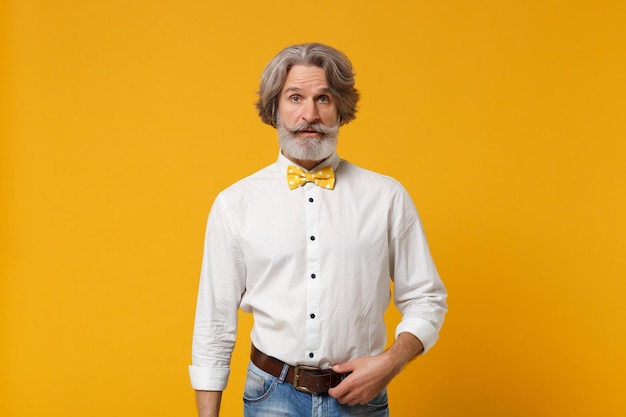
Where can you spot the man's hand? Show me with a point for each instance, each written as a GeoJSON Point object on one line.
{"type": "Point", "coordinates": [370, 375]}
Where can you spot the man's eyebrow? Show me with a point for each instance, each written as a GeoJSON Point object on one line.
{"type": "Point", "coordinates": [324, 90]}
{"type": "Point", "coordinates": [292, 90]}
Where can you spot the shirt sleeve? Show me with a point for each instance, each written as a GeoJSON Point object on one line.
{"type": "Point", "coordinates": [419, 292]}
{"type": "Point", "coordinates": [222, 283]}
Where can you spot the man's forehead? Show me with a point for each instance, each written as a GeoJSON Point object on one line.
{"type": "Point", "coordinates": [301, 76]}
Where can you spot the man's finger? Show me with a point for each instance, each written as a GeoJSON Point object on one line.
{"type": "Point", "coordinates": [343, 368]}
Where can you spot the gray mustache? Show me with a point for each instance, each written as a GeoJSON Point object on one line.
{"type": "Point", "coordinates": [316, 127]}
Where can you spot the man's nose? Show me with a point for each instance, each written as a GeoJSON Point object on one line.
{"type": "Point", "coordinates": [310, 113]}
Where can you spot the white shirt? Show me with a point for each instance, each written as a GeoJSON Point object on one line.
{"type": "Point", "coordinates": [313, 266]}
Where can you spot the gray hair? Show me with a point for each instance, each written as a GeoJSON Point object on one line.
{"type": "Point", "coordinates": [336, 66]}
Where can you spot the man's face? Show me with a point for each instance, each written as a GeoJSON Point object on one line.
{"type": "Point", "coordinates": [307, 115]}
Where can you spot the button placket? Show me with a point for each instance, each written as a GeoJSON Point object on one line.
{"type": "Point", "coordinates": [313, 295]}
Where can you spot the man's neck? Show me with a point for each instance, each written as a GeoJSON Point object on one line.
{"type": "Point", "coordinates": [306, 164]}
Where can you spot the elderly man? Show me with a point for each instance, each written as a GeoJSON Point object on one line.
{"type": "Point", "coordinates": [309, 245]}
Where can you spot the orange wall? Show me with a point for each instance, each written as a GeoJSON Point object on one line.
{"type": "Point", "coordinates": [505, 121]}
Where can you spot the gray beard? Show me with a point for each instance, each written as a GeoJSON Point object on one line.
{"type": "Point", "coordinates": [307, 149]}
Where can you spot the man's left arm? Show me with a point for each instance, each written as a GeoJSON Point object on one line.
{"type": "Point", "coordinates": [370, 375]}
{"type": "Point", "coordinates": [420, 296]}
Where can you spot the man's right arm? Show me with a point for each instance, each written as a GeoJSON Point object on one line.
{"type": "Point", "coordinates": [222, 278]}
{"type": "Point", "coordinates": [208, 403]}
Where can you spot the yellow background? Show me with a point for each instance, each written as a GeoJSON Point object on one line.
{"type": "Point", "coordinates": [121, 121]}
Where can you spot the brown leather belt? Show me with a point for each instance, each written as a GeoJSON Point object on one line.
{"type": "Point", "coordinates": [303, 378]}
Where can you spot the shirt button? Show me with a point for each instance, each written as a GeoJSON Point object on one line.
{"type": "Point", "coordinates": [312, 237]}
{"type": "Point", "coordinates": [311, 355]}
{"type": "Point", "coordinates": [311, 200]}
{"type": "Point", "coordinates": [313, 276]}
{"type": "Point", "coordinates": [312, 316]}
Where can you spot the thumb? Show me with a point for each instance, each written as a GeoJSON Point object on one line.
{"type": "Point", "coordinates": [343, 368]}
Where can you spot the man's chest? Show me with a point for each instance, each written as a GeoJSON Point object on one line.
{"type": "Point", "coordinates": [312, 224]}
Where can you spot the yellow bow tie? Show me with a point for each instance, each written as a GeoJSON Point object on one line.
{"type": "Point", "coordinates": [324, 177]}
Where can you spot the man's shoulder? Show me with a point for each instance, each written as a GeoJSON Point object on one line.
{"type": "Point", "coordinates": [373, 178]}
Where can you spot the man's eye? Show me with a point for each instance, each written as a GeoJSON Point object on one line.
{"type": "Point", "coordinates": [294, 99]}
{"type": "Point", "coordinates": [324, 99]}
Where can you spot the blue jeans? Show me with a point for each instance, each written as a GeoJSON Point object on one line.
{"type": "Point", "coordinates": [268, 396]}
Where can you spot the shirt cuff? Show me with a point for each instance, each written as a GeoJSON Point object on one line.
{"type": "Point", "coordinates": [421, 329]}
{"type": "Point", "coordinates": [208, 379]}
